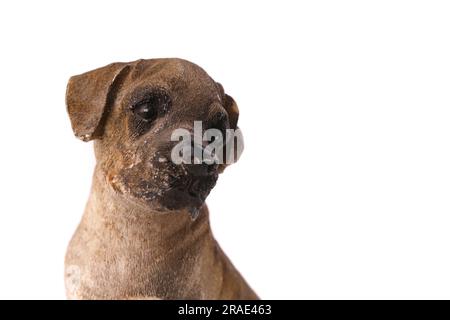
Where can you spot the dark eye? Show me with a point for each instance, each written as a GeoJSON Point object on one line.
{"type": "Point", "coordinates": [146, 111]}
{"type": "Point", "coordinates": [153, 105]}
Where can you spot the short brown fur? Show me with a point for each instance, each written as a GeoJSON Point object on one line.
{"type": "Point", "coordinates": [145, 232]}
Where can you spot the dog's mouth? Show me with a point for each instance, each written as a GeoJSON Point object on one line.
{"type": "Point", "coordinates": [201, 187]}
{"type": "Point", "coordinates": [188, 192]}
{"type": "Point", "coordinates": [196, 181]}
{"type": "Point", "coordinates": [168, 186]}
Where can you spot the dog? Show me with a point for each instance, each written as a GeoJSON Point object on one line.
{"type": "Point", "coordinates": [145, 231]}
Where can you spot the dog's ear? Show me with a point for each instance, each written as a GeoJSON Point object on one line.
{"type": "Point", "coordinates": [89, 97]}
{"type": "Point", "coordinates": [233, 111]}
{"type": "Point", "coordinates": [230, 106]}
{"type": "Point", "coordinates": [233, 115]}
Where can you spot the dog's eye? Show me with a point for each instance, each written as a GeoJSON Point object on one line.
{"type": "Point", "coordinates": [154, 104]}
{"type": "Point", "coordinates": [146, 111]}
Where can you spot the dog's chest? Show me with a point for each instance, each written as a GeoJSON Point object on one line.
{"type": "Point", "coordinates": [115, 267]}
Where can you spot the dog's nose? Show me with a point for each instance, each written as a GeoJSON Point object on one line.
{"type": "Point", "coordinates": [198, 165]}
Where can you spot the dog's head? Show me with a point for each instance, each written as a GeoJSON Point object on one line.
{"type": "Point", "coordinates": [132, 110]}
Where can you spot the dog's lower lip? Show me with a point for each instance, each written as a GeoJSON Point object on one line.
{"type": "Point", "coordinates": [199, 188]}
{"type": "Point", "coordinates": [195, 186]}
{"type": "Point", "coordinates": [193, 197]}
{"type": "Point", "coordinates": [195, 192]}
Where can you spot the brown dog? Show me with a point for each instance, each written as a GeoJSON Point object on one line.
{"type": "Point", "coordinates": [145, 231]}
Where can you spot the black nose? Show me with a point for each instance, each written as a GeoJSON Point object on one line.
{"type": "Point", "coordinates": [199, 164]}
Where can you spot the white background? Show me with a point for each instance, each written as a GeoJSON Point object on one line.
{"type": "Point", "coordinates": [343, 188]}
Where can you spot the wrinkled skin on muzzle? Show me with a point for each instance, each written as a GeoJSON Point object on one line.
{"type": "Point", "coordinates": [131, 111]}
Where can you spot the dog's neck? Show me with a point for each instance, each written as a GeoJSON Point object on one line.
{"type": "Point", "coordinates": [107, 207]}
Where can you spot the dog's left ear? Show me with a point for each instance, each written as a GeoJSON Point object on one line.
{"type": "Point", "coordinates": [89, 97]}
{"type": "Point", "coordinates": [232, 110]}
{"type": "Point", "coordinates": [230, 106]}
{"type": "Point", "coordinates": [233, 115]}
